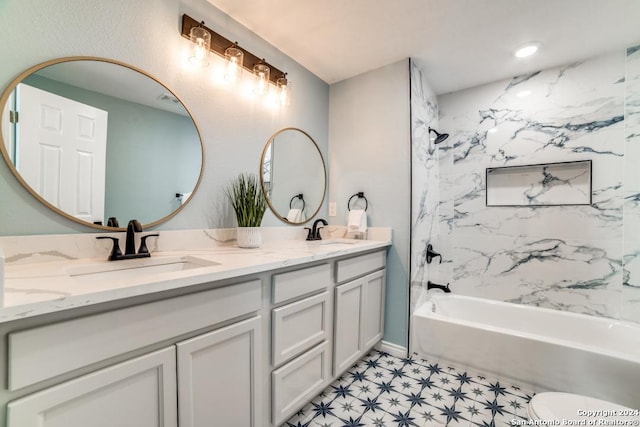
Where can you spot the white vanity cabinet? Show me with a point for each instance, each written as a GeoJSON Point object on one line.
{"type": "Point", "coordinates": [247, 352]}
{"type": "Point", "coordinates": [137, 393]}
{"type": "Point", "coordinates": [301, 329]}
{"type": "Point", "coordinates": [219, 374]}
{"type": "Point", "coordinates": [359, 308]}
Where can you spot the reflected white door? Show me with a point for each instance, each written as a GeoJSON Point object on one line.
{"type": "Point", "coordinates": [61, 151]}
{"type": "Point", "coordinates": [7, 123]}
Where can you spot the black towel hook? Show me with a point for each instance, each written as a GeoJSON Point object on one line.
{"type": "Point", "coordinates": [359, 195]}
{"type": "Point", "coordinates": [297, 196]}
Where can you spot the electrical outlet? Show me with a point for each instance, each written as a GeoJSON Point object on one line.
{"type": "Point", "coordinates": [332, 208]}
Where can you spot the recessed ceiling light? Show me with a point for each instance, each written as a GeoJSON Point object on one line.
{"type": "Point", "coordinates": [527, 50]}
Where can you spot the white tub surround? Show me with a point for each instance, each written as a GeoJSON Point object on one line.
{"type": "Point", "coordinates": [546, 350]}
{"type": "Point", "coordinates": [631, 189]}
{"type": "Point", "coordinates": [44, 274]}
{"type": "Point", "coordinates": [425, 165]}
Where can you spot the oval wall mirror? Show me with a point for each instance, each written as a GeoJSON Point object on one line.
{"type": "Point", "coordinates": [293, 175]}
{"type": "Point", "coordinates": [96, 140]}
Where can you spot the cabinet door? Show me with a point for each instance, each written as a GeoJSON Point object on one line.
{"type": "Point", "coordinates": [348, 325]}
{"type": "Point", "coordinates": [373, 309]}
{"type": "Point", "coordinates": [219, 377]}
{"type": "Point", "coordinates": [137, 393]}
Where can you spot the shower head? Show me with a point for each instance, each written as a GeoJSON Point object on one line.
{"type": "Point", "coordinates": [439, 136]}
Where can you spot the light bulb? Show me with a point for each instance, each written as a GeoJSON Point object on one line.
{"type": "Point", "coordinates": [233, 69]}
{"type": "Point", "coordinates": [200, 44]}
{"type": "Point", "coordinates": [284, 90]}
{"type": "Point", "coordinates": [261, 72]}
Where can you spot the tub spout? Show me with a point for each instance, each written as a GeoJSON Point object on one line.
{"type": "Point", "coordinates": [444, 288]}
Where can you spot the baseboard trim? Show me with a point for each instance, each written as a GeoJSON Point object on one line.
{"type": "Point", "coordinates": [393, 349]}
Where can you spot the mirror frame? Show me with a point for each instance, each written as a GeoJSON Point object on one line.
{"type": "Point", "coordinates": [9, 90]}
{"type": "Point", "coordinates": [262, 183]}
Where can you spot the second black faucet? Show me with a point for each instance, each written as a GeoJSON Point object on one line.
{"type": "Point", "coordinates": [314, 233]}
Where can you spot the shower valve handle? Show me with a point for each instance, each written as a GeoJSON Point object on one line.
{"type": "Point", "coordinates": [431, 254]}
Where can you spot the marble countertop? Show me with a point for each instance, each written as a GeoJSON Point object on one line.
{"type": "Point", "coordinates": [36, 289]}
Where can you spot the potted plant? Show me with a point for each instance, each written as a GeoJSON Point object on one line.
{"type": "Point", "coordinates": [249, 204]}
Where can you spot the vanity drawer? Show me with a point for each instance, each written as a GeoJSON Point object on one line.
{"type": "Point", "coordinates": [299, 381]}
{"type": "Point", "coordinates": [45, 352]}
{"type": "Point", "coordinates": [294, 284]}
{"type": "Point", "coordinates": [299, 326]}
{"type": "Point", "coordinates": [360, 265]}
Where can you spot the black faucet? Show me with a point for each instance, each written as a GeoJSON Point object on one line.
{"type": "Point", "coordinates": [133, 227]}
{"type": "Point", "coordinates": [314, 233]}
{"type": "Point", "coordinates": [444, 288]}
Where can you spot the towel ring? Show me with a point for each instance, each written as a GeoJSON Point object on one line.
{"type": "Point", "coordinates": [298, 196]}
{"type": "Point", "coordinates": [359, 195]}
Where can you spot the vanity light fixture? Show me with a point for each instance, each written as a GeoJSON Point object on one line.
{"type": "Point", "coordinates": [527, 50]}
{"type": "Point", "coordinates": [200, 45]}
{"type": "Point", "coordinates": [221, 45]}
{"type": "Point", "coordinates": [233, 67]}
{"type": "Point", "coordinates": [284, 90]}
{"type": "Point", "coordinates": [261, 72]}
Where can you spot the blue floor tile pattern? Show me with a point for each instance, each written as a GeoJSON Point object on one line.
{"type": "Point", "coordinates": [386, 391]}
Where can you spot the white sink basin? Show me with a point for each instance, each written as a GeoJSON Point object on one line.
{"type": "Point", "coordinates": [339, 242]}
{"type": "Point", "coordinates": [135, 268]}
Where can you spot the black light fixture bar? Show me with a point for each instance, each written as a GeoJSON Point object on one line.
{"type": "Point", "coordinates": [219, 44]}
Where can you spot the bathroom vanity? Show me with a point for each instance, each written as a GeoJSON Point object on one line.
{"type": "Point", "coordinates": [232, 337]}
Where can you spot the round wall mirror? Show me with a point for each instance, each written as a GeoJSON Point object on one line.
{"type": "Point", "coordinates": [100, 142]}
{"type": "Point", "coordinates": [293, 175]}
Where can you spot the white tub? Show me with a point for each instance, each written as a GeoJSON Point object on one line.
{"type": "Point", "coordinates": [541, 348]}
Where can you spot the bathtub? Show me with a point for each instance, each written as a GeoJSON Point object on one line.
{"type": "Point", "coordinates": [539, 348]}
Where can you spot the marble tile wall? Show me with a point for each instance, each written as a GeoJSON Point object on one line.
{"type": "Point", "coordinates": [562, 257]}
{"type": "Point", "coordinates": [424, 173]}
{"type": "Point", "coordinates": [631, 281]}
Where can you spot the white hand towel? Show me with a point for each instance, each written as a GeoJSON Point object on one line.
{"type": "Point", "coordinates": [294, 215]}
{"type": "Point", "coordinates": [357, 221]}
{"type": "Point", "coordinates": [185, 197]}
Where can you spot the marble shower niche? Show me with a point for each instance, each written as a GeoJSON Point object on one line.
{"type": "Point", "coordinates": [548, 184]}
{"type": "Point", "coordinates": [581, 256]}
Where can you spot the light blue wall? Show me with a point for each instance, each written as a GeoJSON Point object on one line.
{"type": "Point", "coordinates": [233, 126]}
{"type": "Point", "coordinates": [369, 130]}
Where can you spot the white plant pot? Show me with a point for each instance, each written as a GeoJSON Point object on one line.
{"type": "Point", "coordinates": [249, 237]}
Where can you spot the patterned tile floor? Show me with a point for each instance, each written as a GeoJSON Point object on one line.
{"type": "Point", "coordinates": [386, 391]}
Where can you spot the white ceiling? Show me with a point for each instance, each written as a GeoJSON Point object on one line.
{"type": "Point", "coordinates": [115, 81]}
{"type": "Point", "coordinates": [461, 43]}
